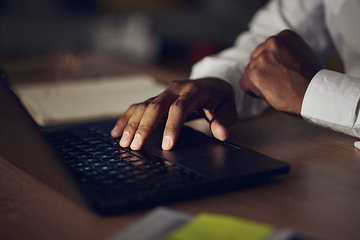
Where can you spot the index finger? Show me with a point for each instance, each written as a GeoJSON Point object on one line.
{"type": "Point", "coordinates": [154, 112]}
{"type": "Point", "coordinates": [191, 99]}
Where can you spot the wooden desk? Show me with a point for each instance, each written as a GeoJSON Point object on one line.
{"type": "Point", "coordinates": [320, 196]}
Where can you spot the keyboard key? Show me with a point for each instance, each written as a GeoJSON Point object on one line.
{"type": "Point", "coordinates": [102, 165]}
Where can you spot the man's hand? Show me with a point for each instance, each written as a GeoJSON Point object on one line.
{"type": "Point", "coordinates": [212, 98]}
{"type": "Point", "coordinates": [280, 71]}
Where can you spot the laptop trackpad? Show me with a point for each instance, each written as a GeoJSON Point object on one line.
{"type": "Point", "coordinates": [208, 155]}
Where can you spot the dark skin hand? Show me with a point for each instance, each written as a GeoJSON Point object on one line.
{"type": "Point", "coordinates": [210, 97]}
{"type": "Point", "coordinates": [280, 71]}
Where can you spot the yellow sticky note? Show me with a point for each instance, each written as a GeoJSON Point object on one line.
{"type": "Point", "coordinates": [212, 226]}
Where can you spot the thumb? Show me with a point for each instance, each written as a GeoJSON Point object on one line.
{"type": "Point", "coordinates": [222, 120]}
{"type": "Point", "coordinates": [219, 131]}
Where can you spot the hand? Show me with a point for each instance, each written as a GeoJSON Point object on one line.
{"type": "Point", "coordinates": [211, 97]}
{"type": "Point", "coordinates": [280, 71]}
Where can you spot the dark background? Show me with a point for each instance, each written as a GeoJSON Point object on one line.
{"type": "Point", "coordinates": [166, 32]}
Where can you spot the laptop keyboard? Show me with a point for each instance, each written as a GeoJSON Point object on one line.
{"type": "Point", "coordinates": [100, 164]}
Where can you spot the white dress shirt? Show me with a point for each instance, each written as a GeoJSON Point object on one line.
{"type": "Point", "coordinates": [332, 99]}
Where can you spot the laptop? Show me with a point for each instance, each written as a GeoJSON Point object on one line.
{"type": "Point", "coordinates": [84, 163]}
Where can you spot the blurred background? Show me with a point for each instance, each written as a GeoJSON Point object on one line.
{"type": "Point", "coordinates": [171, 33]}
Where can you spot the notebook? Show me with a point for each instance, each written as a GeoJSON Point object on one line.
{"type": "Point", "coordinates": [68, 101]}
{"type": "Point", "coordinates": [86, 165]}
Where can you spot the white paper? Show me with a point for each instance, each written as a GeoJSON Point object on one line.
{"type": "Point", "coordinates": [89, 99]}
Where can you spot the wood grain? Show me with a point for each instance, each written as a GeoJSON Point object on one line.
{"type": "Point", "coordinates": [319, 197]}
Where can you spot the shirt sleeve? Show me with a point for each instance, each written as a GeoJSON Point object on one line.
{"type": "Point", "coordinates": [276, 16]}
{"type": "Point", "coordinates": [332, 100]}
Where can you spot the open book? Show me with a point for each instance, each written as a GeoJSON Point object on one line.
{"type": "Point", "coordinates": [64, 102]}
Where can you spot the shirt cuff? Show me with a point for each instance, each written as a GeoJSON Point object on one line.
{"type": "Point", "coordinates": [331, 100]}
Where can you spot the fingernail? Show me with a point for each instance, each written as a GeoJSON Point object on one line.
{"type": "Point", "coordinates": [136, 142]}
{"type": "Point", "coordinates": [167, 143]}
{"type": "Point", "coordinates": [114, 129]}
{"type": "Point", "coordinates": [124, 141]}
{"type": "Point", "coordinates": [357, 144]}
{"type": "Point", "coordinates": [221, 134]}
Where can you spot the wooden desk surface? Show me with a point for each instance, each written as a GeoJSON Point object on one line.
{"type": "Point", "coordinates": [320, 196]}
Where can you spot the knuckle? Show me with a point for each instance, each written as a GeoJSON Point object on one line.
{"type": "Point", "coordinates": [263, 59]}
{"type": "Point", "coordinates": [136, 106]}
{"type": "Point", "coordinates": [174, 82]}
{"type": "Point", "coordinates": [145, 127]}
{"type": "Point", "coordinates": [132, 125]}
{"type": "Point", "coordinates": [179, 108]}
{"type": "Point", "coordinates": [194, 86]}
{"type": "Point", "coordinates": [179, 104]}
{"type": "Point", "coordinates": [122, 121]}
{"type": "Point", "coordinates": [174, 85]}
{"type": "Point", "coordinates": [255, 75]}
{"type": "Point", "coordinates": [142, 106]}
{"type": "Point", "coordinates": [287, 32]}
{"type": "Point", "coordinates": [272, 43]}
{"type": "Point", "coordinates": [155, 104]}
{"type": "Point", "coordinates": [178, 86]}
